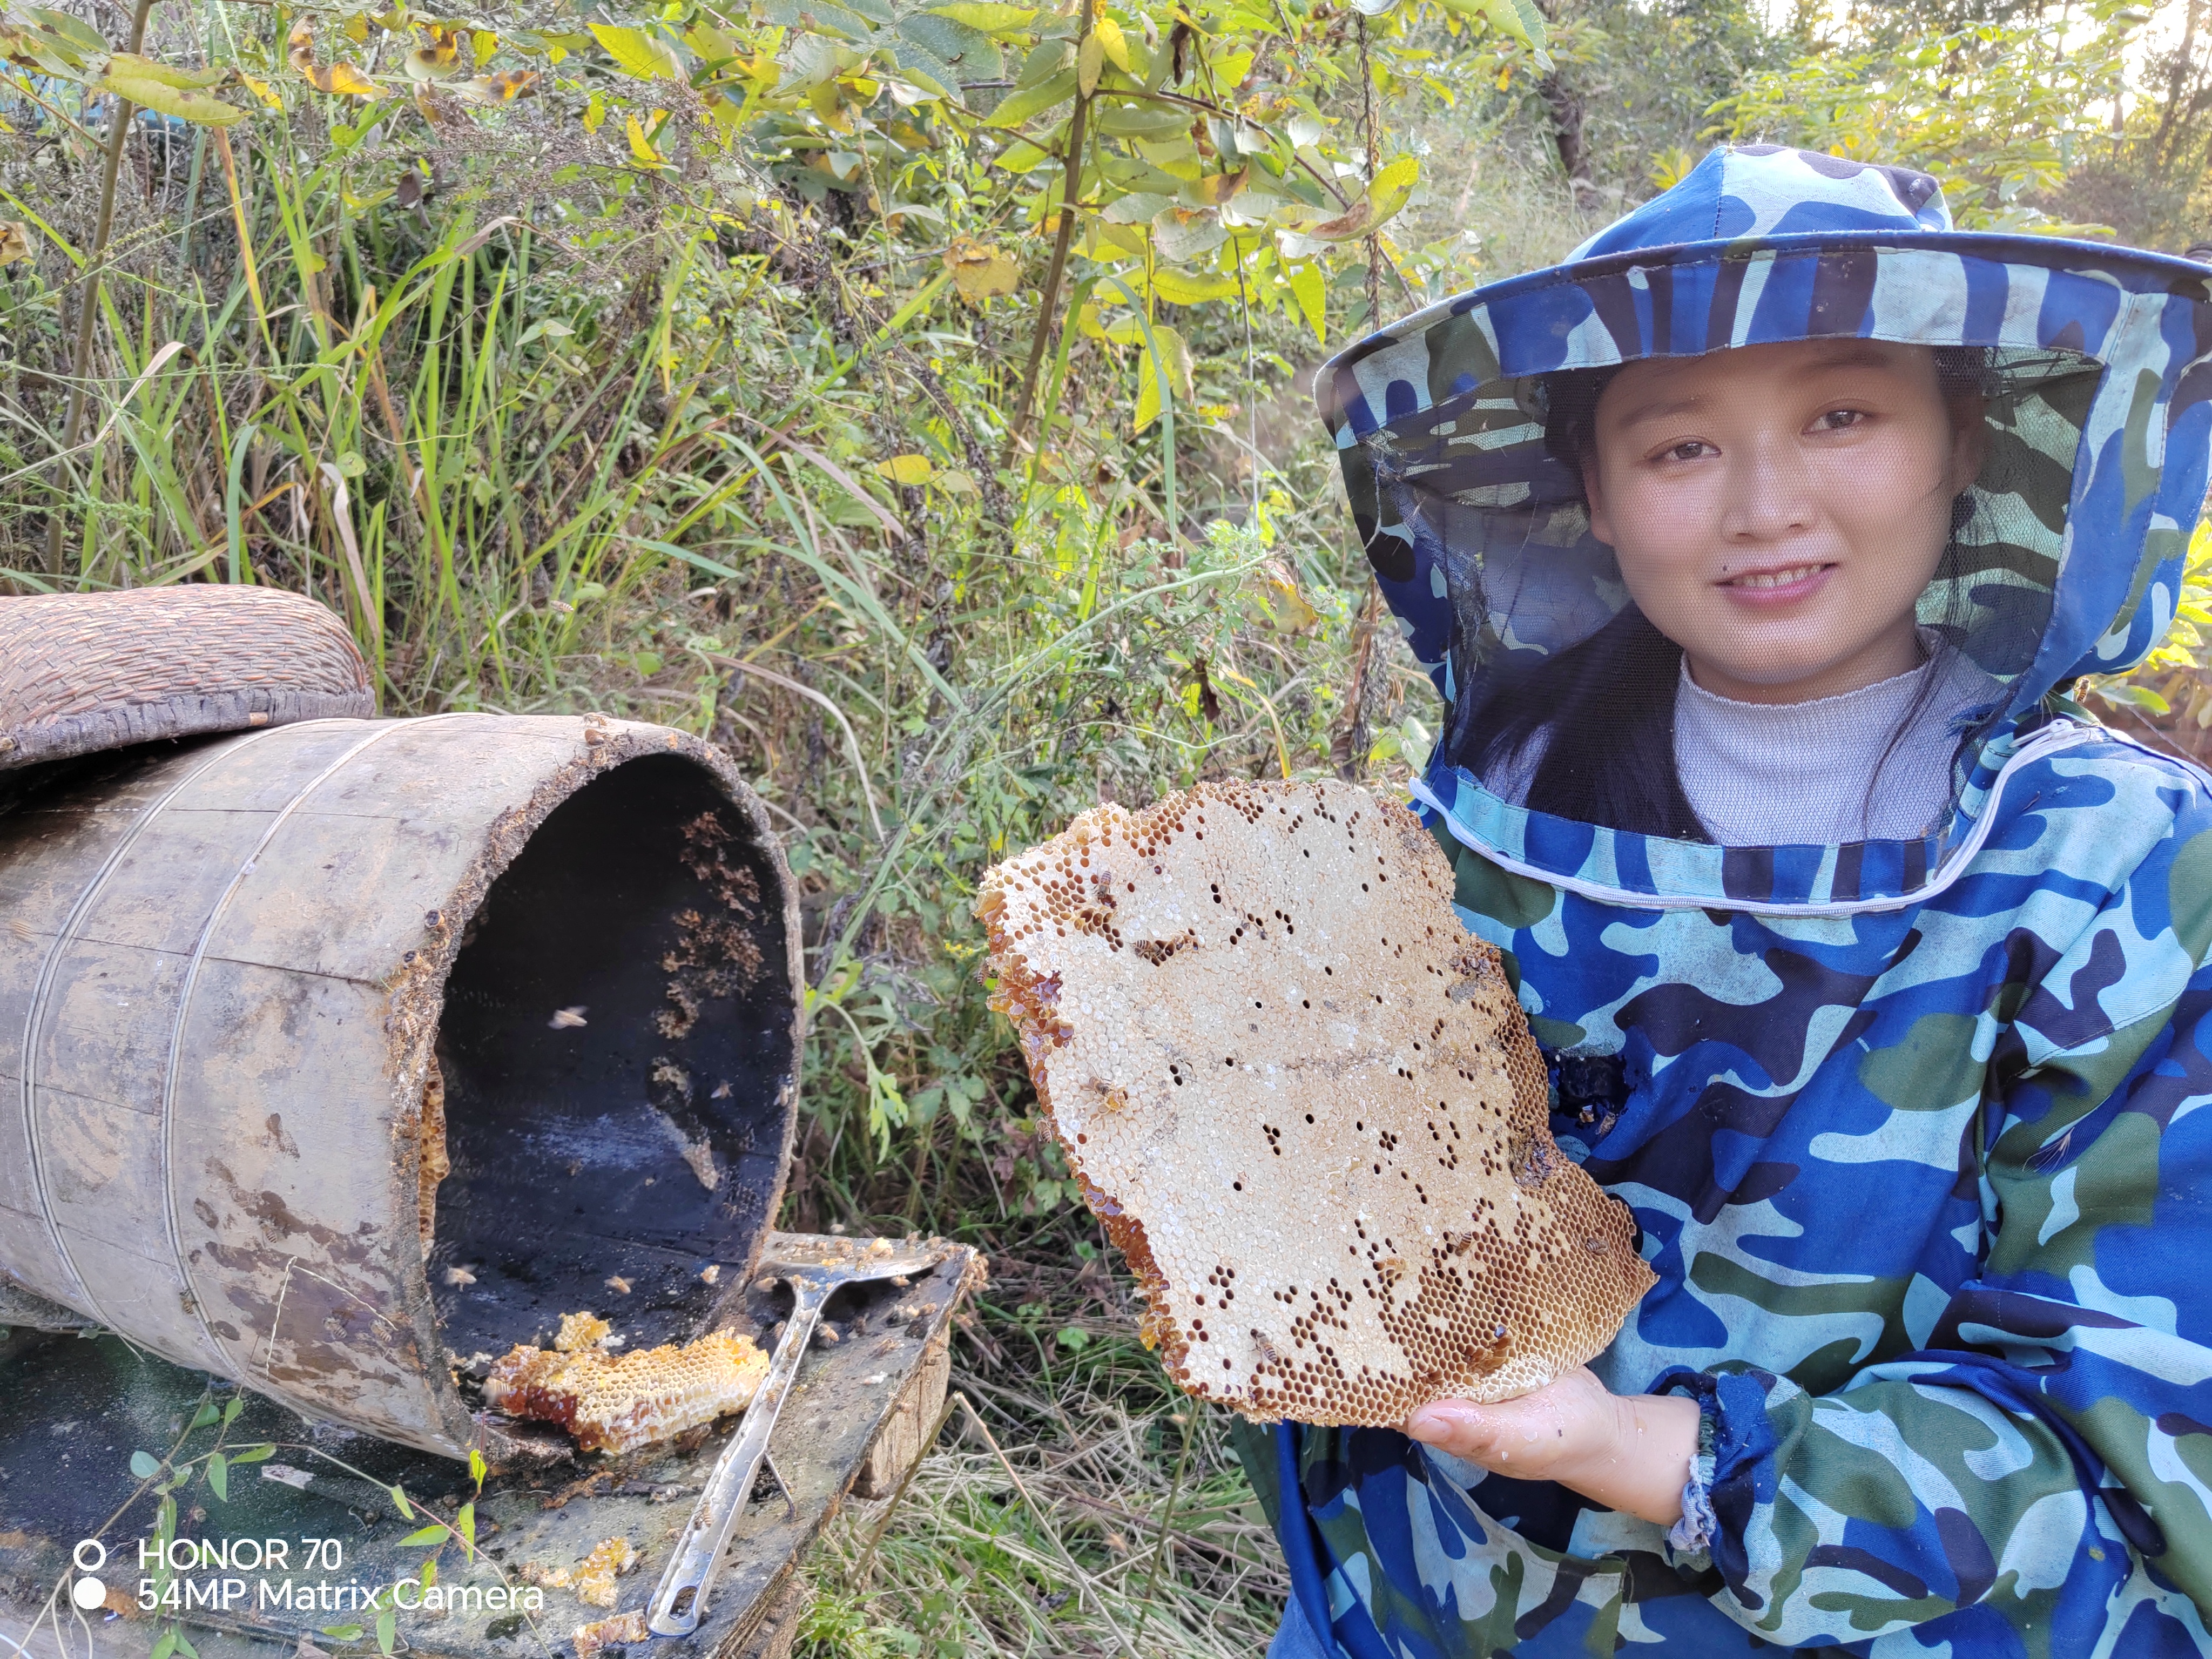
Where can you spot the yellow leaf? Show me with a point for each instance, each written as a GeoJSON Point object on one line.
{"type": "Point", "coordinates": [909, 471]}
{"type": "Point", "coordinates": [1088, 62]}
{"type": "Point", "coordinates": [501, 89]}
{"type": "Point", "coordinates": [1121, 239]}
{"type": "Point", "coordinates": [485, 42]}
{"type": "Point", "coordinates": [595, 113]}
{"type": "Point", "coordinates": [349, 82]}
{"type": "Point", "coordinates": [712, 43]}
{"type": "Point", "coordinates": [341, 77]}
{"type": "Point", "coordinates": [1111, 41]}
{"type": "Point", "coordinates": [14, 242]}
{"type": "Point", "coordinates": [641, 148]}
{"type": "Point", "coordinates": [261, 90]}
{"type": "Point", "coordinates": [980, 271]}
{"type": "Point", "coordinates": [828, 102]}
{"type": "Point", "coordinates": [636, 53]}
{"type": "Point", "coordinates": [1285, 604]}
{"type": "Point", "coordinates": [1218, 187]}
{"type": "Point", "coordinates": [356, 28]}
{"type": "Point", "coordinates": [987, 17]}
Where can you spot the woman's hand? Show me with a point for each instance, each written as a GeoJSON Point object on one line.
{"type": "Point", "coordinates": [1628, 1452]}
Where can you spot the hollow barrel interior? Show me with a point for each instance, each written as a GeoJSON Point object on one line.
{"type": "Point", "coordinates": [615, 1052]}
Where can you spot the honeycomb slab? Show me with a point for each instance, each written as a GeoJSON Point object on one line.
{"type": "Point", "coordinates": [1305, 1103]}
{"type": "Point", "coordinates": [617, 1405]}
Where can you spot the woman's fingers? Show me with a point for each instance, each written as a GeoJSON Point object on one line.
{"type": "Point", "coordinates": [1564, 1422]}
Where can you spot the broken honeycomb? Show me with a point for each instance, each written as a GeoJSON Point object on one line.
{"type": "Point", "coordinates": [624, 1630]}
{"type": "Point", "coordinates": [1305, 1103]}
{"type": "Point", "coordinates": [580, 1331]}
{"type": "Point", "coordinates": [615, 1405]}
{"type": "Point", "coordinates": [595, 1575]}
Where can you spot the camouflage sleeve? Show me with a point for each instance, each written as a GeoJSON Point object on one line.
{"type": "Point", "coordinates": [2053, 1430]}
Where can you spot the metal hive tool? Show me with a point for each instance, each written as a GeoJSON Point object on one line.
{"type": "Point", "coordinates": [816, 1272]}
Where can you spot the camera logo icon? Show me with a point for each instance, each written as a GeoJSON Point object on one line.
{"type": "Point", "coordinates": [89, 1592]}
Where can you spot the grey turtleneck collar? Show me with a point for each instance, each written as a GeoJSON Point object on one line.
{"type": "Point", "coordinates": [1772, 775]}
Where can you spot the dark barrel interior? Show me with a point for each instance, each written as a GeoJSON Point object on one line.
{"type": "Point", "coordinates": [581, 1152]}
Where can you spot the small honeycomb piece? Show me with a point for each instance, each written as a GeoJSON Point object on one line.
{"type": "Point", "coordinates": [1306, 1104]}
{"type": "Point", "coordinates": [595, 1575]}
{"type": "Point", "coordinates": [580, 1331]}
{"type": "Point", "coordinates": [624, 1630]}
{"type": "Point", "coordinates": [615, 1405]}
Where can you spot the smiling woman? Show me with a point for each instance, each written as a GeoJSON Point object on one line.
{"type": "Point", "coordinates": [1755, 551]}
{"type": "Point", "coordinates": [1778, 513]}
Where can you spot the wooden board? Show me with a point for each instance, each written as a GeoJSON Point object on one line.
{"type": "Point", "coordinates": [73, 1409]}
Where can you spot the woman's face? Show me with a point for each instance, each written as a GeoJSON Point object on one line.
{"type": "Point", "coordinates": [1778, 509]}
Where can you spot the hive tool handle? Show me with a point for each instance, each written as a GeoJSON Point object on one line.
{"type": "Point", "coordinates": [698, 1554]}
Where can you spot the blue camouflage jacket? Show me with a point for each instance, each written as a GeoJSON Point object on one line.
{"type": "Point", "coordinates": [1913, 1130]}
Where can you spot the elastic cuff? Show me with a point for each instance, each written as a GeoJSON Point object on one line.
{"type": "Point", "coordinates": [1693, 1533]}
{"type": "Point", "coordinates": [1690, 1538]}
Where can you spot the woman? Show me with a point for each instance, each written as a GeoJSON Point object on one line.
{"type": "Point", "coordinates": [1754, 552]}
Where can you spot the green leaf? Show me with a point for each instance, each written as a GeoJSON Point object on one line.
{"type": "Point", "coordinates": [1174, 357]}
{"type": "Point", "coordinates": [1138, 207]}
{"type": "Point", "coordinates": [253, 1455]}
{"type": "Point", "coordinates": [433, 1533]}
{"type": "Point", "coordinates": [218, 1474]}
{"type": "Point", "coordinates": [165, 1644]}
{"type": "Point", "coordinates": [1023, 156]}
{"type": "Point", "coordinates": [343, 1632]}
{"type": "Point", "coordinates": [1023, 102]}
{"type": "Point", "coordinates": [1518, 18]}
{"type": "Point", "coordinates": [145, 1465]}
{"type": "Point", "coordinates": [986, 17]}
{"type": "Point", "coordinates": [131, 66]}
{"type": "Point", "coordinates": [1186, 233]}
{"type": "Point", "coordinates": [1043, 61]}
{"type": "Point", "coordinates": [466, 1524]}
{"type": "Point", "coordinates": [184, 1645]}
{"type": "Point", "coordinates": [1310, 288]}
{"type": "Point", "coordinates": [236, 1403]}
{"type": "Point", "coordinates": [196, 107]}
{"type": "Point", "coordinates": [1391, 186]}
{"type": "Point", "coordinates": [206, 1414]}
{"type": "Point", "coordinates": [960, 53]}
{"type": "Point", "coordinates": [387, 1627]}
{"type": "Point", "coordinates": [1180, 288]}
{"type": "Point", "coordinates": [1119, 119]}
{"type": "Point", "coordinates": [83, 36]}
{"type": "Point", "coordinates": [637, 53]}
{"type": "Point", "coordinates": [477, 1468]}
{"type": "Point", "coordinates": [1073, 1338]}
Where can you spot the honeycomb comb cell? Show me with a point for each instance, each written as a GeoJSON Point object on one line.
{"type": "Point", "coordinates": [1305, 1103]}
